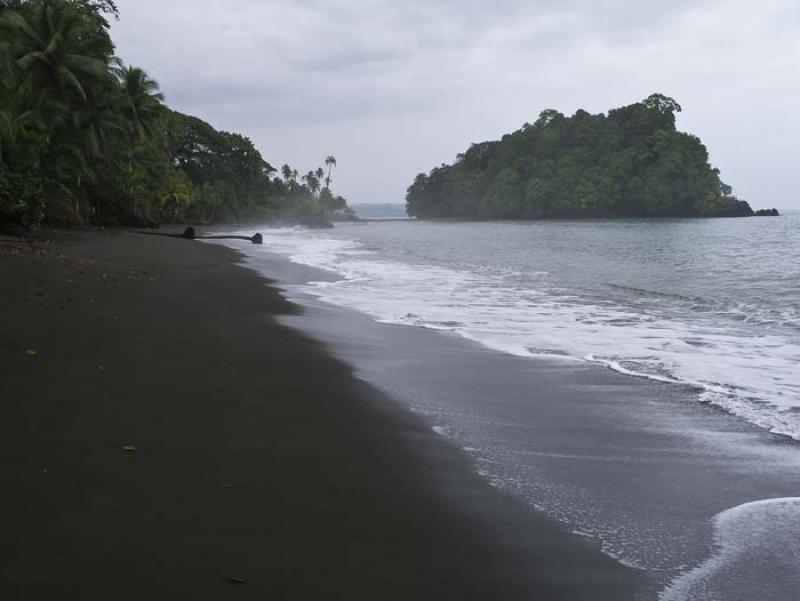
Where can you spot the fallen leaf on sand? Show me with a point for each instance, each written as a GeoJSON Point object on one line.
{"type": "Point", "coordinates": [31, 353]}
{"type": "Point", "coordinates": [129, 448]}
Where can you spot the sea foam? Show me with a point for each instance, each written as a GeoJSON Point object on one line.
{"type": "Point", "coordinates": [762, 537]}
{"type": "Point", "coordinates": [746, 369]}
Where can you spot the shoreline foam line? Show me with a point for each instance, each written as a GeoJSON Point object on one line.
{"type": "Point", "coordinates": [758, 398]}
{"type": "Point", "coordinates": [759, 533]}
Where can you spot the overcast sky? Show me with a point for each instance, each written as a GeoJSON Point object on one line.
{"type": "Point", "coordinates": [392, 88]}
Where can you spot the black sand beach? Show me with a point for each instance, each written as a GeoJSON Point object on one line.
{"type": "Point", "coordinates": [254, 455]}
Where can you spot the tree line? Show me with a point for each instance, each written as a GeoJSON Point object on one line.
{"type": "Point", "coordinates": [85, 138]}
{"type": "Point", "coordinates": [631, 162]}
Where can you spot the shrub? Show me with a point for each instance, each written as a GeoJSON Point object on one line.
{"type": "Point", "coordinates": [21, 206]}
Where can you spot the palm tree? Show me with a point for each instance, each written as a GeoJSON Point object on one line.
{"type": "Point", "coordinates": [286, 172]}
{"type": "Point", "coordinates": [320, 173]}
{"type": "Point", "coordinates": [140, 101]}
{"type": "Point", "coordinates": [98, 119]}
{"type": "Point", "coordinates": [56, 58]}
{"type": "Point", "coordinates": [100, 130]}
{"type": "Point", "coordinates": [175, 195]}
{"type": "Point", "coordinates": [312, 182]}
{"type": "Point", "coordinates": [52, 49]}
{"type": "Point", "coordinates": [330, 161]}
{"type": "Point", "coordinates": [16, 120]}
{"type": "Point", "coordinates": [138, 104]}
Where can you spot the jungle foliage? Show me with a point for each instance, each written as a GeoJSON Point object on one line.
{"type": "Point", "coordinates": [630, 162]}
{"type": "Point", "coordinates": [86, 138]}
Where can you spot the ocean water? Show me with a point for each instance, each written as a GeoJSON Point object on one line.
{"type": "Point", "coordinates": [711, 303]}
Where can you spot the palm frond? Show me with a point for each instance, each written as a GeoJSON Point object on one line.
{"type": "Point", "coordinates": [16, 22]}
{"type": "Point", "coordinates": [87, 64]}
{"type": "Point", "coordinates": [72, 80]}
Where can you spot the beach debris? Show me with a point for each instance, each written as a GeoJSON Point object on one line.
{"type": "Point", "coordinates": [129, 448]}
{"type": "Point", "coordinates": [190, 234]}
{"type": "Point", "coordinates": [236, 580]}
{"type": "Point", "coordinates": [255, 238]}
{"type": "Point", "coordinates": [101, 368]}
{"type": "Point", "coordinates": [31, 352]}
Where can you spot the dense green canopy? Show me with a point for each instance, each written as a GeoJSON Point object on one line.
{"type": "Point", "coordinates": [85, 138]}
{"type": "Point", "coordinates": [631, 162]}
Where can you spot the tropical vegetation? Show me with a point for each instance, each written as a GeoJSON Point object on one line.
{"type": "Point", "coordinates": [85, 138]}
{"type": "Point", "coordinates": [630, 162]}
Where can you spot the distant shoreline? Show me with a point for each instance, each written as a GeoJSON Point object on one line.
{"type": "Point", "coordinates": [757, 213]}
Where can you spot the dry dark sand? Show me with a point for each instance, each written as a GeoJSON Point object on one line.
{"type": "Point", "coordinates": [258, 455]}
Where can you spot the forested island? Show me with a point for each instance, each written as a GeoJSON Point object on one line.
{"type": "Point", "coordinates": [85, 138]}
{"type": "Point", "coordinates": [631, 162]}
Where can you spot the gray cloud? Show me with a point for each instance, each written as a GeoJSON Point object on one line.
{"type": "Point", "coordinates": [393, 88]}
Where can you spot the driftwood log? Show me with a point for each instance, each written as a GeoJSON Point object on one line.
{"type": "Point", "coordinates": [190, 234]}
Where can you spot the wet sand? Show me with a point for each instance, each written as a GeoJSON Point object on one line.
{"type": "Point", "coordinates": [257, 465]}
